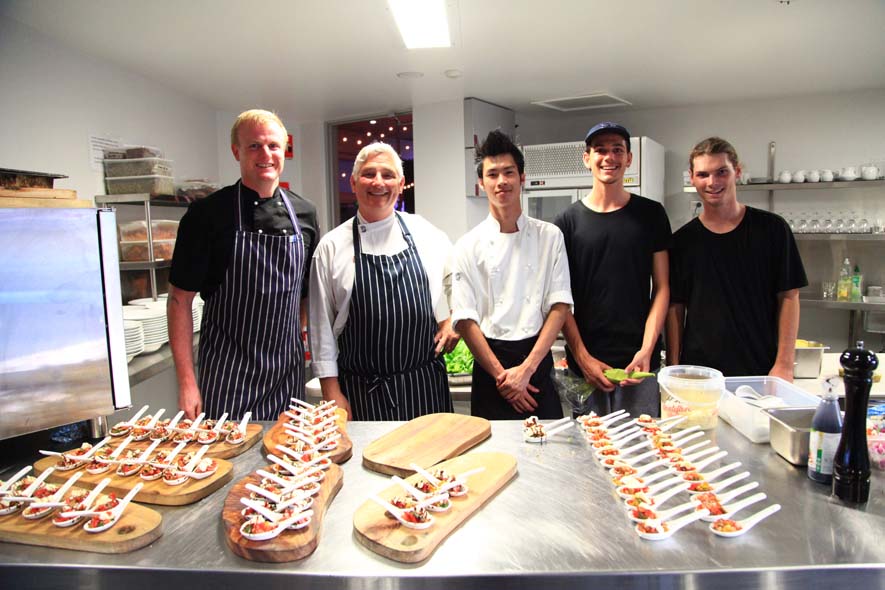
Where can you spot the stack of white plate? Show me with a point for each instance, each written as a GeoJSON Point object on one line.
{"type": "Point", "coordinates": [153, 320]}
{"type": "Point", "coordinates": [134, 335]}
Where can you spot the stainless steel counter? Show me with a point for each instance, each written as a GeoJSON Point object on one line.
{"type": "Point", "coordinates": [558, 524]}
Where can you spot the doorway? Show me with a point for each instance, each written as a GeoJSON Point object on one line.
{"type": "Point", "coordinates": [348, 138]}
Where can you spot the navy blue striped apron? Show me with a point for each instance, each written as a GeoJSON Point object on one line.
{"type": "Point", "coordinates": [251, 355]}
{"type": "Point", "coordinates": [388, 367]}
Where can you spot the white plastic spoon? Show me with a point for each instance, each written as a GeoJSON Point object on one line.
{"type": "Point", "coordinates": [441, 506]}
{"type": "Point", "coordinates": [671, 526]}
{"type": "Point", "coordinates": [280, 526]}
{"type": "Point", "coordinates": [668, 423]}
{"type": "Point", "coordinates": [425, 474]}
{"type": "Point", "coordinates": [398, 514]}
{"type": "Point", "coordinates": [27, 494]}
{"type": "Point", "coordinates": [115, 513]}
{"type": "Point", "coordinates": [722, 485]}
{"type": "Point", "coordinates": [238, 435]}
{"type": "Point", "coordinates": [112, 458]}
{"type": "Point", "coordinates": [659, 515]}
{"type": "Point", "coordinates": [40, 509]}
{"type": "Point", "coordinates": [725, 497]}
{"type": "Point", "coordinates": [657, 499]}
{"type": "Point", "coordinates": [621, 427]}
{"type": "Point", "coordinates": [168, 462]}
{"type": "Point", "coordinates": [678, 436]}
{"type": "Point", "coordinates": [619, 443]}
{"type": "Point", "coordinates": [714, 457]}
{"type": "Point", "coordinates": [716, 473]}
{"type": "Point", "coordinates": [747, 523]}
{"type": "Point", "coordinates": [6, 488]}
{"type": "Point", "coordinates": [733, 507]}
{"type": "Point", "coordinates": [639, 471]}
{"type": "Point", "coordinates": [86, 503]}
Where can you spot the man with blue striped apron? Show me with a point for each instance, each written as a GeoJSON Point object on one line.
{"type": "Point", "coordinates": [375, 332]}
{"type": "Point", "coordinates": [251, 353]}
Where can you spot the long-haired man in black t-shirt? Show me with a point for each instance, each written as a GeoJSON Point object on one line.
{"type": "Point", "coordinates": [735, 277]}
{"type": "Point", "coordinates": [617, 246]}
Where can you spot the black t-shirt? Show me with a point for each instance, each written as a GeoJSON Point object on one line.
{"type": "Point", "coordinates": [610, 260]}
{"type": "Point", "coordinates": [206, 234]}
{"type": "Point", "coordinates": [729, 285]}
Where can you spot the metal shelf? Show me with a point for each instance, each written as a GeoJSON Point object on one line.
{"type": "Point", "coordinates": [135, 199]}
{"type": "Point", "coordinates": [839, 237]}
{"type": "Point", "coordinates": [145, 265]}
{"type": "Point", "coordinates": [842, 305]}
{"type": "Point", "coordinates": [801, 186]}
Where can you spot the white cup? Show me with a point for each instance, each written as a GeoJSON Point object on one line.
{"type": "Point", "coordinates": [869, 172]}
{"type": "Point", "coordinates": [849, 172]}
{"type": "Point", "coordinates": [826, 175]}
{"type": "Point", "coordinates": [813, 176]}
{"type": "Point", "coordinates": [784, 176]}
{"type": "Point", "coordinates": [799, 176]}
{"type": "Point", "coordinates": [874, 291]}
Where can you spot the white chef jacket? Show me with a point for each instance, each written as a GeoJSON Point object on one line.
{"type": "Point", "coordinates": [507, 283]}
{"type": "Point", "coordinates": [332, 271]}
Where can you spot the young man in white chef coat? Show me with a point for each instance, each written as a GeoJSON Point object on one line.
{"type": "Point", "coordinates": [617, 247]}
{"type": "Point", "coordinates": [379, 316]}
{"type": "Point", "coordinates": [510, 294]}
{"type": "Point", "coordinates": [736, 277]}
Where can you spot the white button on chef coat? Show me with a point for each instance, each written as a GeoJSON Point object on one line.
{"type": "Point", "coordinates": [497, 274]}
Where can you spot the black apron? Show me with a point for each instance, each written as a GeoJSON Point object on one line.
{"type": "Point", "coordinates": [388, 366]}
{"type": "Point", "coordinates": [486, 401]}
{"type": "Point", "coordinates": [251, 354]}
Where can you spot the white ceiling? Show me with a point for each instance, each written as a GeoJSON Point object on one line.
{"type": "Point", "coordinates": [336, 59]}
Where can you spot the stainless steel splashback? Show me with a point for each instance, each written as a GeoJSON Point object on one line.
{"type": "Point", "coordinates": [62, 351]}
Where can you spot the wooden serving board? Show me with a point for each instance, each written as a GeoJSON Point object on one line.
{"type": "Point", "coordinates": [153, 492]}
{"type": "Point", "coordinates": [385, 536]}
{"type": "Point", "coordinates": [139, 526]}
{"type": "Point", "coordinates": [426, 441]}
{"type": "Point", "coordinates": [289, 545]}
{"type": "Point", "coordinates": [217, 450]}
{"type": "Point", "coordinates": [277, 436]}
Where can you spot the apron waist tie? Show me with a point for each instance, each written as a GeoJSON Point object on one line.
{"type": "Point", "coordinates": [380, 384]}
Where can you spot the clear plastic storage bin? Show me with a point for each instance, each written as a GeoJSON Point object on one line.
{"type": "Point", "coordinates": [154, 185]}
{"type": "Point", "coordinates": [748, 416]}
{"type": "Point", "coordinates": [137, 167]}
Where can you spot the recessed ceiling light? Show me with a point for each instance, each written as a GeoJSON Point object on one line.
{"type": "Point", "coordinates": [408, 147]}
{"type": "Point", "coordinates": [359, 142]}
{"type": "Point", "coordinates": [421, 24]}
{"type": "Point", "coordinates": [390, 128]}
{"type": "Point", "coordinates": [453, 73]}
{"type": "Point", "coordinates": [343, 174]}
{"type": "Point", "coordinates": [344, 139]}
{"type": "Point", "coordinates": [368, 134]}
{"type": "Point", "coordinates": [381, 136]}
{"type": "Point", "coordinates": [410, 75]}
{"type": "Point", "coordinates": [372, 122]}
{"type": "Point", "coordinates": [405, 128]}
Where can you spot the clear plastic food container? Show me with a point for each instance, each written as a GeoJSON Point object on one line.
{"type": "Point", "coordinates": [136, 231]}
{"type": "Point", "coordinates": [115, 168]}
{"type": "Point", "coordinates": [138, 251]}
{"type": "Point", "coordinates": [692, 392]}
{"type": "Point", "coordinates": [143, 151]}
{"type": "Point", "coordinates": [192, 190]}
{"type": "Point", "coordinates": [748, 416]}
{"type": "Point", "coordinates": [155, 185]}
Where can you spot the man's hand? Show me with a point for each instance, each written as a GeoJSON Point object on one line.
{"type": "Point", "coordinates": [332, 392]}
{"type": "Point", "coordinates": [641, 362]}
{"type": "Point", "coordinates": [785, 373]}
{"type": "Point", "coordinates": [523, 402]}
{"type": "Point", "coordinates": [190, 401]}
{"type": "Point", "coordinates": [445, 338]}
{"type": "Point", "coordinates": [513, 381]}
{"type": "Point", "coordinates": [592, 369]}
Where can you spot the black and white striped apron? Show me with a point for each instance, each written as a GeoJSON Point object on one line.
{"type": "Point", "coordinates": [251, 355]}
{"type": "Point", "coordinates": [388, 367]}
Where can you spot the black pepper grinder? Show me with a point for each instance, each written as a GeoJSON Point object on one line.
{"type": "Point", "coordinates": [851, 467]}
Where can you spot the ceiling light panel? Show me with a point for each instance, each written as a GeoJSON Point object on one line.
{"type": "Point", "coordinates": [422, 23]}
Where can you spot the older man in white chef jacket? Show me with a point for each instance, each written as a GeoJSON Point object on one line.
{"type": "Point", "coordinates": [510, 294]}
{"type": "Point", "coordinates": [379, 316]}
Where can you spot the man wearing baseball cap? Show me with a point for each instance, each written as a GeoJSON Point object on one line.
{"type": "Point", "coordinates": [617, 246]}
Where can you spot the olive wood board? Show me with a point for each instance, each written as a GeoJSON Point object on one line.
{"type": "Point", "coordinates": [425, 441]}
{"type": "Point", "coordinates": [276, 435]}
{"type": "Point", "coordinates": [217, 450]}
{"type": "Point", "coordinates": [384, 535]}
{"type": "Point", "coordinates": [138, 526]}
{"type": "Point", "coordinates": [153, 492]}
{"type": "Point", "coordinates": [288, 545]}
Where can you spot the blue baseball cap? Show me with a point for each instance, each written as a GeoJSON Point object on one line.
{"type": "Point", "coordinates": [608, 127]}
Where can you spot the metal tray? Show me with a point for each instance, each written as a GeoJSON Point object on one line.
{"type": "Point", "coordinates": [790, 432]}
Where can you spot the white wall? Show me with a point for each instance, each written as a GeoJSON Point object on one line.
{"type": "Point", "coordinates": [439, 168]}
{"type": "Point", "coordinates": [53, 99]}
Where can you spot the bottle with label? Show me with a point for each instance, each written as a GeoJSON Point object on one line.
{"type": "Point", "coordinates": [843, 286]}
{"type": "Point", "coordinates": [826, 431]}
{"type": "Point", "coordinates": [856, 285]}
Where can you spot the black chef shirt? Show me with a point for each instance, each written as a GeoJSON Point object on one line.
{"type": "Point", "coordinates": [206, 234]}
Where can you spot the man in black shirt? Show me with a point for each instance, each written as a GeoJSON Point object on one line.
{"type": "Point", "coordinates": [617, 251]}
{"type": "Point", "coordinates": [247, 250]}
{"type": "Point", "coordinates": [735, 277]}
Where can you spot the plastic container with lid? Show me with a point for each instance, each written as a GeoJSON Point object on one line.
{"type": "Point", "coordinates": [138, 251]}
{"type": "Point", "coordinates": [114, 168]}
{"type": "Point", "coordinates": [154, 184]}
{"type": "Point", "coordinates": [143, 151]}
{"type": "Point", "coordinates": [748, 415]}
{"type": "Point", "coordinates": [693, 392]}
{"type": "Point", "coordinates": [136, 231]}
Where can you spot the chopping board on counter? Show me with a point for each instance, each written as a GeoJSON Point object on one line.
{"type": "Point", "coordinates": [153, 492]}
{"type": "Point", "coordinates": [138, 526]}
{"type": "Point", "coordinates": [217, 450]}
{"type": "Point", "coordinates": [385, 536]}
{"type": "Point", "coordinates": [277, 436]}
{"type": "Point", "coordinates": [426, 441]}
{"type": "Point", "coordinates": [288, 545]}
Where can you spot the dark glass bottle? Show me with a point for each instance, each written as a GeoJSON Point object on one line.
{"type": "Point", "coordinates": [826, 431]}
{"type": "Point", "coordinates": [851, 467]}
